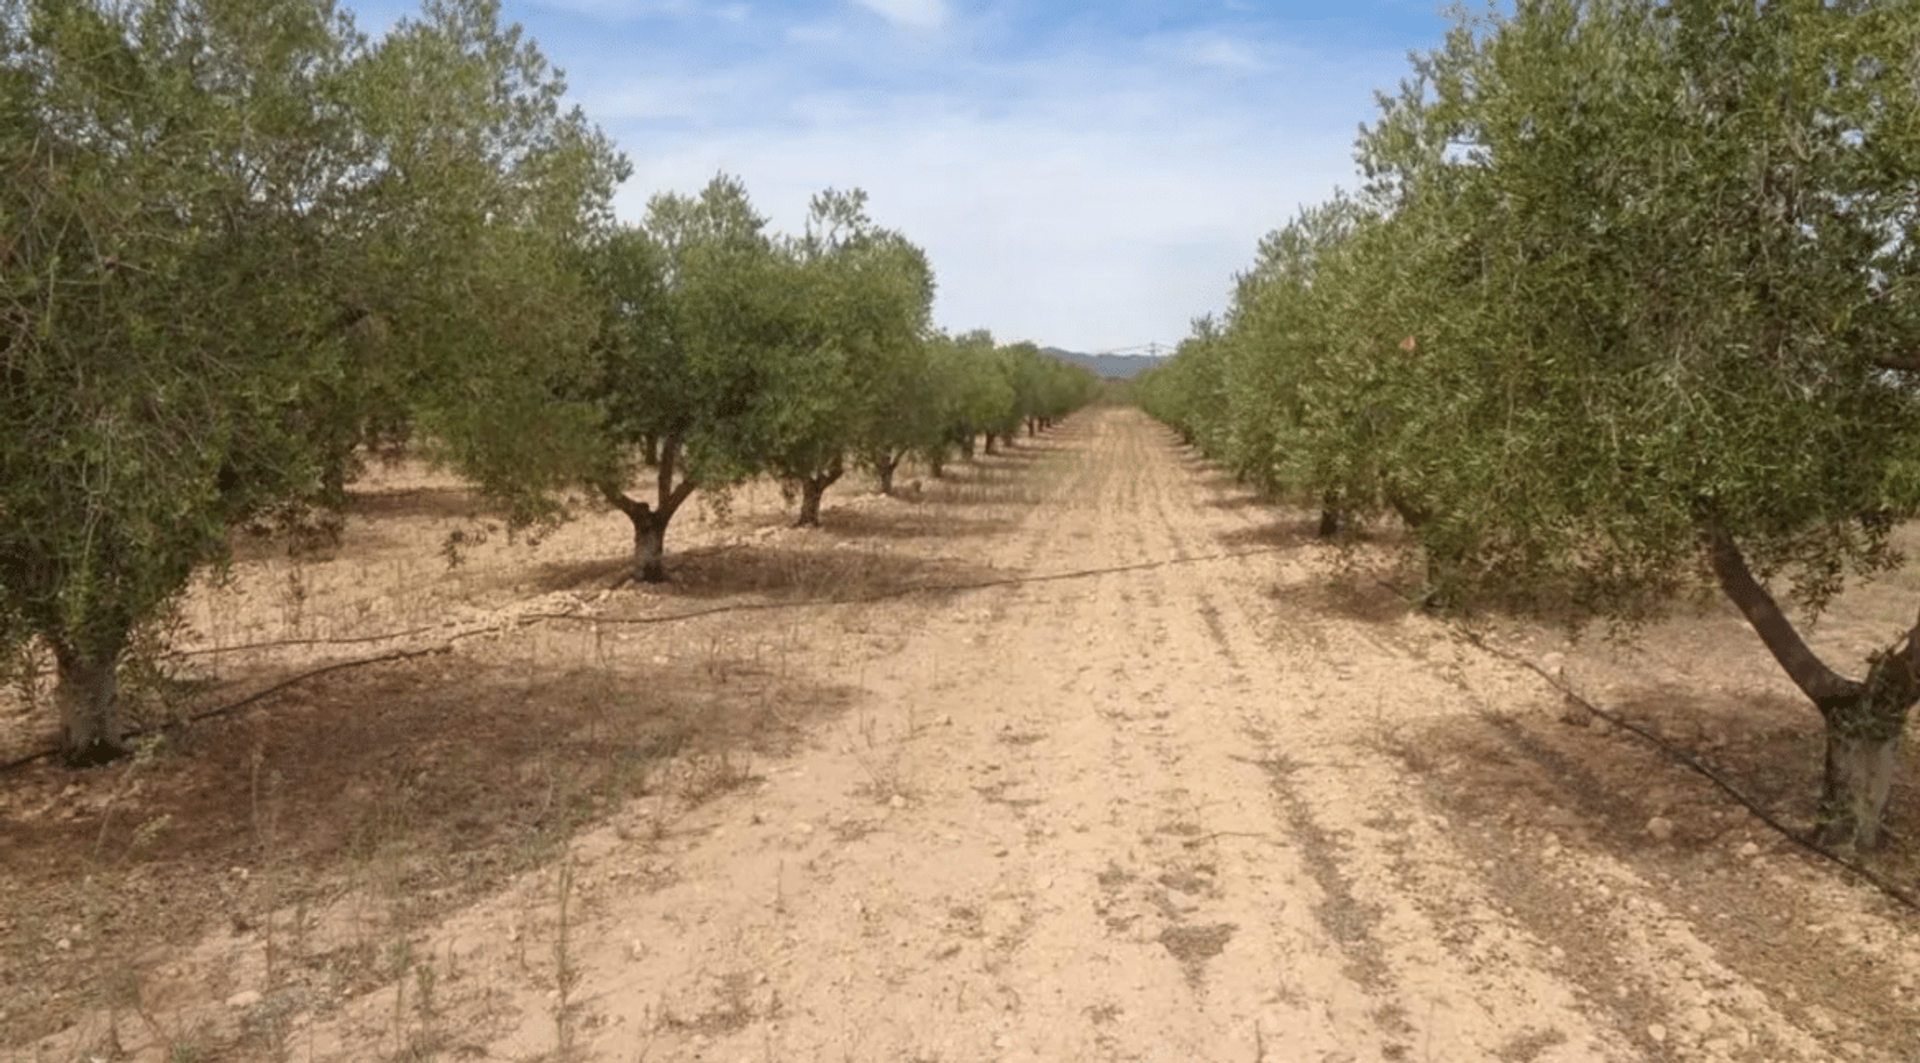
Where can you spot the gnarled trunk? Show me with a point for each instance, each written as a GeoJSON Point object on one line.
{"type": "Point", "coordinates": [884, 469]}
{"type": "Point", "coordinates": [88, 696]}
{"type": "Point", "coordinates": [649, 546]}
{"type": "Point", "coordinates": [650, 520]}
{"type": "Point", "coordinates": [1858, 778]}
{"type": "Point", "coordinates": [812, 490]}
{"type": "Point", "coordinates": [1864, 720]}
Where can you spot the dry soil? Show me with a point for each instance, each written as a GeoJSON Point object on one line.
{"type": "Point", "coordinates": [1079, 754]}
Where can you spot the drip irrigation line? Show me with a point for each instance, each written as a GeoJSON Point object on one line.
{"type": "Point", "coordinates": [1688, 760]}
{"type": "Point", "coordinates": [225, 710]}
{"type": "Point", "coordinates": [666, 618]}
{"type": "Point", "coordinates": [738, 607]}
{"type": "Point", "coordinates": [276, 643]}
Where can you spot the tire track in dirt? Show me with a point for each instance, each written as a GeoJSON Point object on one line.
{"type": "Point", "coordinates": [1353, 866]}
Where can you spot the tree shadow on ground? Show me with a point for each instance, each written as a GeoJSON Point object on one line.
{"type": "Point", "coordinates": [589, 574]}
{"type": "Point", "coordinates": [373, 522]}
{"type": "Point", "coordinates": [1236, 500]}
{"type": "Point", "coordinates": [1522, 782]}
{"type": "Point", "coordinates": [428, 782]}
{"type": "Point", "coordinates": [826, 572]}
{"type": "Point", "coordinates": [983, 485]}
{"type": "Point", "coordinates": [1284, 532]}
{"type": "Point", "coordinates": [1024, 453]}
{"type": "Point", "coordinates": [1211, 478]}
{"type": "Point", "coordinates": [430, 503]}
{"type": "Point", "coordinates": [1362, 593]}
{"type": "Point", "coordinates": [911, 522]}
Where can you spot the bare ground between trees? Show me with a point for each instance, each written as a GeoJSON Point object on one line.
{"type": "Point", "coordinates": [1212, 794]}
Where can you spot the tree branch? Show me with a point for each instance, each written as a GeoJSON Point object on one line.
{"type": "Point", "coordinates": [617, 498]}
{"type": "Point", "coordinates": [1899, 363]}
{"type": "Point", "coordinates": [670, 494]}
{"type": "Point", "coordinates": [1808, 672]}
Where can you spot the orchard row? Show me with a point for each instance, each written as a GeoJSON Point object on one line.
{"type": "Point", "coordinates": [1628, 303]}
{"type": "Point", "coordinates": [242, 244]}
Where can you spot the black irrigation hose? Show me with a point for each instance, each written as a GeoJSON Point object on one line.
{"type": "Point", "coordinates": [897, 592]}
{"type": "Point", "coordinates": [740, 607]}
{"type": "Point", "coordinates": [224, 710]}
{"type": "Point", "coordinates": [245, 646]}
{"type": "Point", "coordinates": [1689, 760]}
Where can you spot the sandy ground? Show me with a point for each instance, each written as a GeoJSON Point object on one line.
{"type": "Point", "coordinates": [1095, 759]}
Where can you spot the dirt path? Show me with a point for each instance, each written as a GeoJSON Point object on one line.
{"type": "Point", "coordinates": [1173, 792]}
{"type": "Point", "coordinates": [1162, 812]}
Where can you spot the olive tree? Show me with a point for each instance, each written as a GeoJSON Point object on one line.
{"type": "Point", "coordinates": [856, 309]}
{"type": "Point", "coordinates": [227, 241]}
{"type": "Point", "coordinates": [1633, 309]}
{"type": "Point", "coordinates": [689, 306]}
{"type": "Point", "coordinates": [1708, 213]}
{"type": "Point", "coordinates": [974, 392]}
{"type": "Point", "coordinates": [725, 352]}
{"type": "Point", "coordinates": [909, 410]}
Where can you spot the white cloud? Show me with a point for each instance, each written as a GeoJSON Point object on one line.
{"type": "Point", "coordinates": [915, 14]}
{"type": "Point", "coordinates": [1221, 52]}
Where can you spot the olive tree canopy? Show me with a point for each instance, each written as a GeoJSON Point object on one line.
{"type": "Point", "coordinates": [1627, 305]}
{"type": "Point", "coordinates": [234, 235]}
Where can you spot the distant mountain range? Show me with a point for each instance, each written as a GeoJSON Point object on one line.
{"type": "Point", "coordinates": [1117, 366]}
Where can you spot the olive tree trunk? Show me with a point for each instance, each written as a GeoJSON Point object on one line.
{"type": "Point", "coordinates": [813, 489]}
{"type": "Point", "coordinates": [650, 520]}
{"type": "Point", "coordinates": [1329, 516]}
{"type": "Point", "coordinates": [649, 545]}
{"type": "Point", "coordinates": [1858, 778]}
{"type": "Point", "coordinates": [88, 697]}
{"type": "Point", "coordinates": [1864, 720]}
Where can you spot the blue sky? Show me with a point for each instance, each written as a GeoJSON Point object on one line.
{"type": "Point", "coordinates": [1084, 176]}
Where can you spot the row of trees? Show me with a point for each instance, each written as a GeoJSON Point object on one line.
{"type": "Point", "coordinates": [241, 242]}
{"type": "Point", "coordinates": [725, 352]}
{"type": "Point", "coordinates": [1626, 305]}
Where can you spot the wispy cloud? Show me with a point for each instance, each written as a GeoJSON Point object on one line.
{"type": "Point", "coordinates": [918, 14]}
{"type": "Point", "coordinates": [1222, 52]}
